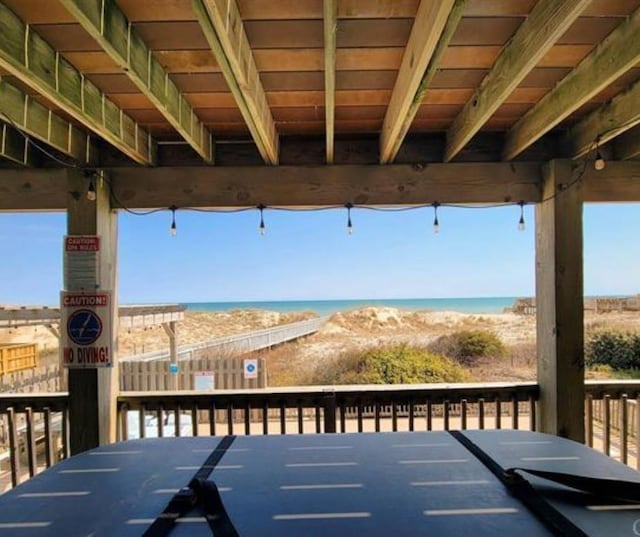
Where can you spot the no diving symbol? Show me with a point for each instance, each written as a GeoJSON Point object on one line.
{"type": "Point", "coordinates": [84, 327]}
{"type": "Point", "coordinates": [251, 368]}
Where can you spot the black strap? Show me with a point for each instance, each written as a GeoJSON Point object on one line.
{"type": "Point", "coordinates": [200, 493]}
{"type": "Point", "coordinates": [520, 488]}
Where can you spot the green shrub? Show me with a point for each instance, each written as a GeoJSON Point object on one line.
{"type": "Point", "coordinates": [468, 345]}
{"type": "Point", "coordinates": [619, 350]}
{"type": "Point", "coordinates": [396, 364]}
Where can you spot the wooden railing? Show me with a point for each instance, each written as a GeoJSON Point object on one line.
{"type": "Point", "coordinates": [33, 435]}
{"type": "Point", "coordinates": [34, 427]}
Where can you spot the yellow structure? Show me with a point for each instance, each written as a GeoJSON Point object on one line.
{"type": "Point", "coordinates": [18, 357]}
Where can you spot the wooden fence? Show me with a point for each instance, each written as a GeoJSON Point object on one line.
{"type": "Point", "coordinates": [228, 373]}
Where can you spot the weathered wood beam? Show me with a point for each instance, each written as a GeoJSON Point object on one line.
{"type": "Point", "coordinates": [330, 32]}
{"type": "Point", "coordinates": [547, 22]}
{"type": "Point", "coordinates": [293, 186]}
{"type": "Point", "coordinates": [14, 147]}
{"type": "Point", "coordinates": [428, 27]}
{"type": "Point", "coordinates": [28, 57]}
{"type": "Point", "coordinates": [628, 145]}
{"type": "Point", "coordinates": [605, 123]}
{"type": "Point", "coordinates": [619, 52]}
{"type": "Point", "coordinates": [27, 114]}
{"type": "Point", "coordinates": [559, 304]}
{"type": "Point", "coordinates": [618, 182]}
{"type": "Point", "coordinates": [221, 23]}
{"type": "Point", "coordinates": [109, 26]}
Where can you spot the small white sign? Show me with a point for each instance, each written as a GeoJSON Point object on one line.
{"type": "Point", "coordinates": [251, 368]}
{"type": "Point", "coordinates": [81, 262]}
{"type": "Point", "coordinates": [204, 381]}
{"type": "Point", "coordinates": [85, 327]}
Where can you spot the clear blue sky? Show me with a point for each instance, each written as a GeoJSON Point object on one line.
{"type": "Point", "coordinates": [308, 255]}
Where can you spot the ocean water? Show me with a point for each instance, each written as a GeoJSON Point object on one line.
{"type": "Point", "coordinates": [327, 307]}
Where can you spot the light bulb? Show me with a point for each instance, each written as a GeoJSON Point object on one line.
{"type": "Point", "coordinates": [349, 206]}
{"type": "Point", "coordinates": [262, 229]}
{"type": "Point", "coordinates": [173, 229]}
{"type": "Point", "coordinates": [91, 191]}
{"type": "Point", "coordinates": [599, 163]}
{"type": "Point", "coordinates": [436, 226]}
{"type": "Point", "coordinates": [521, 225]}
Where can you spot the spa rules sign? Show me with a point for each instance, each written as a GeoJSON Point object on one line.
{"type": "Point", "coordinates": [85, 326]}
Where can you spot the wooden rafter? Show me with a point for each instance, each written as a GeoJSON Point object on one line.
{"type": "Point", "coordinates": [615, 55]}
{"type": "Point", "coordinates": [628, 145]}
{"type": "Point", "coordinates": [547, 22]}
{"type": "Point", "coordinates": [330, 31]}
{"type": "Point", "coordinates": [14, 146]}
{"type": "Point", "coordinates": [108, 25]}
{"type": "Point", "coordinates": [27, 114]}
{"type": "Point", "coordinates": [28, 57]}
{"type": "Point", "coordinates": [221, 23]}
{"type": "Point", "coordinates": [605, 123]}
{"type": "Point", "coordinates": [428, 26]}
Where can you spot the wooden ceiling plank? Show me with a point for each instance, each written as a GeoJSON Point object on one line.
{"type": "Point", "coordinates": [548, 21]}
{"type": "Point", "coordinates": [605, 123]}
{"type": "Point", "coordinates": [28, 57]}
{"type": "Point", "coordinates": [419, 64]}
{"type": "Point", "coordinates": [330, 31]}
{"type": "Point", "coordinates": [15, 147]}
{"type": "Point", "coordinates": [613, 57]}
{"type": "Point", "coordinates": [108, 25]}
{"type": "Point", "coordinates": [627, 146]}
{"type": "Point", "coordinates": [27, 114]}
{"type": "Point", "coordinates": [223, 28]}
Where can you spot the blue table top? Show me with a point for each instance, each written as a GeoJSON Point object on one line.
{"type": "Point", "coordinates": [374, 484]}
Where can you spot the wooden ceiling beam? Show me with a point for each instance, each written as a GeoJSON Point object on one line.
{"type": "Point", "coordinates": [330, 32]}
{"type": "Point", "coordinates": [628, 145]}
{"type": "Point", "coordinates": [605, 123]}
{"type": "Point", "coordinates": [15, 148]}
{"type": "Point", "coordinates": [415, 72]}
{"type": "Point", "coordinates": [28, 57]}
{"type": "Point", "coordinates": [109, 26]}
{"type": "Point", "coordinates": [547, 22]}
{"type": "Point", "coordinates": [221, 23]}
{"type": "Point", "coordinates": [614, 56]}
{"type": "Point", "coordinates": [23, 112]}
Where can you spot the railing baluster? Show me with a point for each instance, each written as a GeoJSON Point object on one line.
{"type": "Point", "coordinates": [283, 418]}
{"type": "Point", "coordinates": [343, 418]}
{"type": "Point", "coordinates": [606, 433]}
{"type": "Point", "coordinates": [142, 421]}
{"type": "Point", "coordinates": [318, 420]}
{"type": "Point", "coordinates": [329, 408]}
{"type": "Point", "coordinates": [624, 428]}
{"type": "Point", "coordinates": [445, 414]}
{"type": "Point", "coordinates": [532, 413]}
{"type": "Point", "coordinates": [160, 419]}
{"type": "Point", "coordinates": [14, 459]}
{"type": "Point", "coordinates": [377, 416]}
{"type": "Point", "coordinates": [48, 444]}
{"type": "Point", "coordinates": [247, 418]}
{"type": "Point", "coordinates": [514, 411]}
{"type": "Point", "coordinates": [66, 444]}
{"type": "Point", "coordinates": [265, 417]}
{"type": "Point", "coordinates": [124, 431]}
{"type": "Point", "coordinates": [31, 443]}
{"type": "Point", "coordinates": [229, 418]}
{"type": "Point", "coordinates": [411, 414]}
{"type": "Point", "coordinates": [176, 420]}
{"type": "Point", "coordinates": [429, 415]}
{"type": "Point", "coordinates": [481, 413]}
{"type": "Point", "coordinates": [212, 418]}
{"type": "Point", "coordinates": [463, 414]}
{"type": "Point", "coordinates": [194, 419]}
{"type": "Point", "coordinates": [498, 404]}
{"type": "Point", "coordinates": [300, 418]}
{"type": "Point", "coordinates": [394, 416]}
{"type": "Point", "coordinates": [589, 420]}
{"type": "Point", "coordinates": [359, 410]}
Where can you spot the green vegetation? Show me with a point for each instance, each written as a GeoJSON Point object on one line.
{"type": "Point", "coordinates": [618, 350]}
{"type": "Point", "coordinates": [468, 345]}
{"type": "Point", "coordinates": [396, 364]}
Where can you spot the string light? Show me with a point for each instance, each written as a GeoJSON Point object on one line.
{"type": "Point", "coordinates": [91, 189]}
{"type": "Point", "coordinates": [262, 228]}
{"type": "Point", "coordinates": [173, 229]}
{"type": "Point", "coordinates": [521, 224]}
{"type": "Point", "coordinates": [349, 206]}
{"type": "Point", "coordinates": [599, 163]}
{"type": "Point", "coordinates": [436, 223]}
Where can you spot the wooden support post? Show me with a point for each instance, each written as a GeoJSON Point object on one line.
{"type": "Point", "coordinates": [171, 328]}
{"type": "Point", "coordinates": [93, 392]}
{"type": "Point", "coordinates": [559, 302]}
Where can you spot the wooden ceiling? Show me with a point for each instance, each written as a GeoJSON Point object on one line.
{"type": "Point", "coordinates": [287, 43]}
